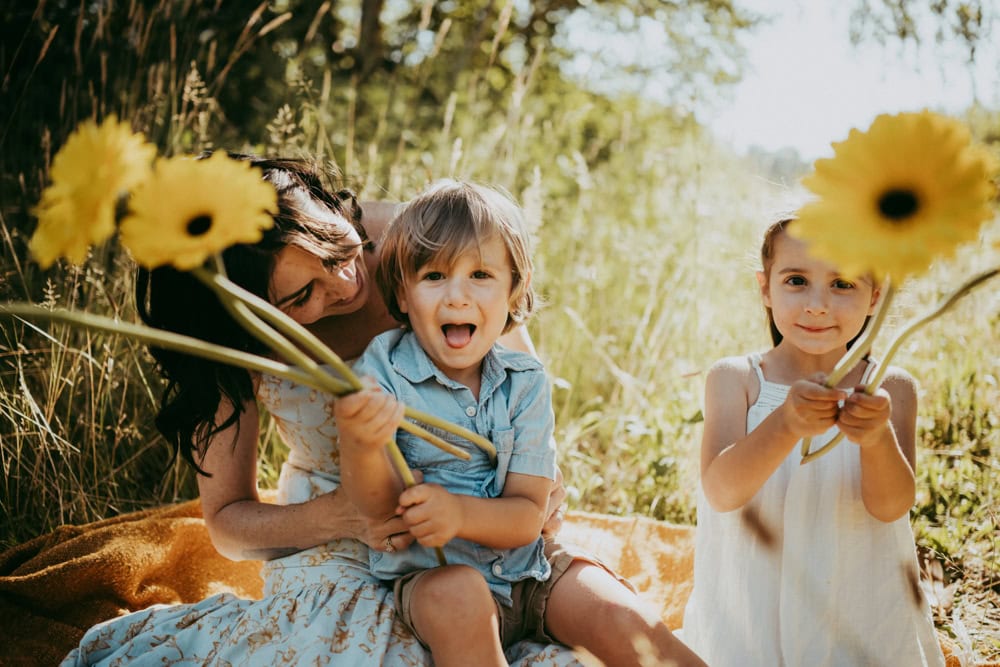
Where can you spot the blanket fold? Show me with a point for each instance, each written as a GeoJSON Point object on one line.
{"type": "Point", "coordinates": [54, 587]}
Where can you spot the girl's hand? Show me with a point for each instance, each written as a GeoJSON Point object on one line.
{"type": "Point", "coordinates": [811, 408]}
{"type": "Point", "coordinates": [367, 419]}
{"type": "Point", "coordinates": [432, 514]}
{"type": "Point", "coordinates": [864, 418]}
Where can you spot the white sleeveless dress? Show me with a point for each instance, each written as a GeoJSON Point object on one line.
{"type": "Point", "coordinates": [321, 606]}
{"type": "Point", "coordinates": [803, 575]}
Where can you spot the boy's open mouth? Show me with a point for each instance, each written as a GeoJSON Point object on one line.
{"type": "Point", "coordinates": [458, 335]}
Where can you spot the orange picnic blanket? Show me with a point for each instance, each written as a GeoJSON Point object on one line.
{"type": "Point", "coordinates": [56, 586]}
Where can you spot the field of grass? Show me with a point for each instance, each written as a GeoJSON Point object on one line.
{"type": "Point", "coordinates": [646, 238]}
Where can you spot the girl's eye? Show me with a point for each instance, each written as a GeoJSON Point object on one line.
{"type": "Point", "coordinates": [796, 281]}
{"type": "Point", "coordinates": [480, 275]}
{"type": "Point", "coordinates": [843, 284]}
{"type": "Point", "coordinates": [433, 275]}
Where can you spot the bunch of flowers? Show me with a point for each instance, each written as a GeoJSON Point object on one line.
{"type": "Point", "coordinates": [183, 212]}
{"type": "Point", "coordinates": [910, 189]}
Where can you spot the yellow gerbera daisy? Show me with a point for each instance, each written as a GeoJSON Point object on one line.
{"type": "Point", "coordinates": [89, 173]}
{"type": "Point", "coordinates": [190, 209]}
{"type": "Point", "coordinates": [891, 199]}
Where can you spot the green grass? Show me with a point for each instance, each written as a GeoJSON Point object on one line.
{"type": "Point", "coordinates": [646, 234]}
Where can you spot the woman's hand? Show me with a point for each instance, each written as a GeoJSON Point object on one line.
{"type": "Point", "coordinates": [555, 513]}
{"type": "Point", "coordinates": [378, 534]}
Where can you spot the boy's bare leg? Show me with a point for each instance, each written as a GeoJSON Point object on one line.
{"type": "Point", "coordinates": [453, 611]}
{"type": "Point", "coordinates": [589, 608]}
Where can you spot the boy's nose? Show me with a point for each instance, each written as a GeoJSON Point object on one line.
{"type": "Point", "coordinates": [456, 294]}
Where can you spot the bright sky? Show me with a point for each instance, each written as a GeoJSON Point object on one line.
{"type": "Point", "coordinates": [806, 85]}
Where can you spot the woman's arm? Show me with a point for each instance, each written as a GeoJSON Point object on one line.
{"type": "Point", "coordinates": [244, 528]}
{"type": "Point", "coordinates": [884, 427]}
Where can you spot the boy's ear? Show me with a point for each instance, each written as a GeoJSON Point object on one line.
{"type": "Point", "coordinates": [762, 283]}
{"type": "Point", "coordinates": [401, 300]}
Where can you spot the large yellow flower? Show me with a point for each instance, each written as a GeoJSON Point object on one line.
{"type": "Point", "coordinates": [191, 209]}
{"type": "Point", "coordinates": [95, 166]}
{"type": "Point", "coordinates": [891, 199]}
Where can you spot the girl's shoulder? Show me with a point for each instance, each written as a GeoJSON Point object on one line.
{"type": "Point", "coordinates": [732, 372]}
{"type": "Point", "coordinates": [898, 382]}
{"type": "Point", "coordinates": [732, 367]}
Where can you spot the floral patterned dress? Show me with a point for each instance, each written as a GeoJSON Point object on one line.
{"type": "Point", "coordinates": [320, 606]}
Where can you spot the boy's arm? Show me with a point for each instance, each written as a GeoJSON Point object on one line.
{"type": "Point", "coordinates": [513, 520]}
{"type": "Point", "coordinates": [366, 421]}
{"type": "Point", "coordinates": [888, 444]}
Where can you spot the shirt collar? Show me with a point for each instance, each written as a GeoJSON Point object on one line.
{"type": "Point", "coordinates": [411, 362]}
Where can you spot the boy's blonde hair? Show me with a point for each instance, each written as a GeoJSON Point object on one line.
{"type": "Point", "coordinates": [445, 220]}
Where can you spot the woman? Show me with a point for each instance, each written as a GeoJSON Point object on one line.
{"type": "Point", "coordinates": [320, 602]}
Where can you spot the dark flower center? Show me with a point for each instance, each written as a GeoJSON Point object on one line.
{"type": "Point", "coordinates": [199, 225]}
{"type": "Point", "coordinates": [897, 204]}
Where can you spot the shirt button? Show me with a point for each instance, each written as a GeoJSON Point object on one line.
{"type": "Point", "coordinates": [497, 570]}
{"type": "Point", "coordinates": [471, 411]}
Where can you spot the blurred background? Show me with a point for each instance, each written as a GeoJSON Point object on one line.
{"type": "Point", "coordinates": [650, 142]}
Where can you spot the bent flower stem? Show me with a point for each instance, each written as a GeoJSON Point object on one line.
{"type": "Point", "coordinates": [944, 306]}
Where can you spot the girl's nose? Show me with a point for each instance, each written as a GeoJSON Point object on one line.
{"type": "Point", "coordinates": [817, 302]}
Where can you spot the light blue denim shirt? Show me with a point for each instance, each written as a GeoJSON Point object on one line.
{"type": "Point", "coordinates": [514, 412]}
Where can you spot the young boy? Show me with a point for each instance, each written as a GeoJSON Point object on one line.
{"type": "Point", "coordinates": [456, 271]}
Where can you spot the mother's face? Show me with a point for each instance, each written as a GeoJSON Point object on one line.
{"type": "Point", "coordinates": [307, 291]}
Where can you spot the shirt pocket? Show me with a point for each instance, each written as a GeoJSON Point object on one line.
{"type": "Point", "coordinates": [419, 453]}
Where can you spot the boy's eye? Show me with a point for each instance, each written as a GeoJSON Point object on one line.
{"type": "Point", "coordinates": [480, 275]}
{"type": "Point", "coordinates": [797, 281]}
{"type": "Point", "coordinates": [843, 284]}
{"type": "Point", "coordinates": [433, 275]}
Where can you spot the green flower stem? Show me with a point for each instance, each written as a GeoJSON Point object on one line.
{"type": "Point", "coordinates": [911, 328]}
{"type": "Point", "coordinates": [222, 285]}
{"type": "Point", "coordinates": [158, 338]}
{"type": "Point", "coordinates": [199, 348]}
{"type": "Point", "coordinates": [861, 347]}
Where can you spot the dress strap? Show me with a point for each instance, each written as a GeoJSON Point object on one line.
{"type": "Point", "coordinates": [869, 370]}
{"type": "Point", "coordinates": [754, 360]}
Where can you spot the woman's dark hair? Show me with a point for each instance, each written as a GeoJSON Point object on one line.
{"type": "Point", "coordinates": [173, 300]}
{"type": "Point", "coordinates": [771, 234]}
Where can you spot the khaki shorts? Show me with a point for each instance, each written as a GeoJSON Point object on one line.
{"type": "Point", "coordinates": [525, 618]}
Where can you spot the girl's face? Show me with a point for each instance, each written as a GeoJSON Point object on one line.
{"type": "Point", "coordinates": [459, 311]}
{"type": "Point", "coordinates": [815, 308]}
{"type": "Point", "coordinates": [307, 291]}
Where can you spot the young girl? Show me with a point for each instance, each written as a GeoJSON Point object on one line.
{"type": "Point", "coordinates": [455, 270]}
{"type": "Point", "coordinates": [807, 564]}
